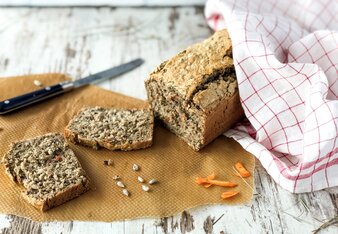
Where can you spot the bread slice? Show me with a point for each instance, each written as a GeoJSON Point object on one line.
{"type": "Point", "coordinates": [195, 93]}
{"type": "Point", "coordinates": [48, 170]}
{"type": "Point", "coordinates": [114, 129]}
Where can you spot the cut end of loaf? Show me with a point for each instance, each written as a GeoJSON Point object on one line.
{"type": "Point", "coordinates": [183, 120]}
{"type": "Point", "coordinates": [114, 129]}
{"type": "Point", "coordinates": [48, 170]}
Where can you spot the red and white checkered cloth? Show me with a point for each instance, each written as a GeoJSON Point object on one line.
{"type": "Point", "coordinates": [286, 60]}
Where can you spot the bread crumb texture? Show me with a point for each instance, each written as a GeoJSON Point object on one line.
{"type": "Point", "coordinates": [112, 128]}
{"type": "Point", "coordinates": [46, 167]}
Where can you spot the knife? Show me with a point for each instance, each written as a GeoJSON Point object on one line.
{"type": "Point", "coordinates": [27, 99]}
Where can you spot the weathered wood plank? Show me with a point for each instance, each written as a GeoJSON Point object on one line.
{"type": "Point", "coordinates": [95, 3]}
{"type": "Point", "coordinates": [80, 41]}
{"type": "Point", "coordinates": [20, 225]}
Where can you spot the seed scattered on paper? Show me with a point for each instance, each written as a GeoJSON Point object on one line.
{"type": "Point", "coordinates": [108, 162]}
{"type": "Point", "coordinates": [120, 184]}
{"type": "Point", "coordinates": [125, 192]}
{"type": "Point", "coordinates": [116, 177]}
{"type": "Point", "coordinates": [145, 188]}
{"type": "Point", "coordinates": [153, 181]}
{"type": "Point", "coordinates": [136, 167]}
{"type": "Point", "coordinates": [37, 83]}
{"type": "Point", "coordinates": [140, 179]}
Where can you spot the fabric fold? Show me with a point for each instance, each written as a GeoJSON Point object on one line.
{"type": "Point", "coordinates": [286, 60]}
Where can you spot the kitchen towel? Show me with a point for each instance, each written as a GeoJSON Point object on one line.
{"type": "Point", "coordinates": [286, 59]}
{"type": "Point", "coordinates": [169, 160]}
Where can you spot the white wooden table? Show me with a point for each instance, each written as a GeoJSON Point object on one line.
{"type": "Point", "coordinates": [80, 41]}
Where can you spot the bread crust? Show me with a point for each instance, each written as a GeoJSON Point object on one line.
{"type": "Point", "coordinates": [223, 116]}
{"type": "Point", "coordinates": [76, 139]}
{"type": "Point", "coordinates": [193, 66]}
{"type": "Point", "coordinates": [60, 198]}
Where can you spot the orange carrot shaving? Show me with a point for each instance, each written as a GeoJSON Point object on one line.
{"type": "Point", "coordinates": [207, 185]}
{"type": "Point", "coordinates": [209, 177]}
{"type": "Point", "coordinates": [202, 181]}
{"type": "Point", "coordinates": [212, 176]}
{"type": "Point", "coordinates": [222, 183]}
{"type": "Point", "coordinates": [242, 170]}
{"type": "Point", "coordinates": [229, 194]}
{"type": "Point", "coordinates": [209, 181]}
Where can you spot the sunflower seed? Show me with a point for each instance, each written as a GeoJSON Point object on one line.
{"type": "Point", "coordinates": [145, 188]}
{"type": "Point", "coordinates": [116, 177]}
{"type": "Point", "coordinates": [136, 167]}
{"type": "Point", "coordinates": [153, 181]}
{"type": "Point", "coordinates": [120, 184]}
{"type": "Point", "coordinates": [110, 162]}
{"type": "Point", "coordinates": [37, 83]}
{"type": "Point", "coordinates": [125, 192]}
{"type": "Point", "coordinates": [140, 179]}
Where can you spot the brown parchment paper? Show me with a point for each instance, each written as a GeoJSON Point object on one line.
{"type": "Point", "coordinates": [169, 160]}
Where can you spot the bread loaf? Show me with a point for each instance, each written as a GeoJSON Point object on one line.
{"type": "Point", "coordinates": [195, 93]}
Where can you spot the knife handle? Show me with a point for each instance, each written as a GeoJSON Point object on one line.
{"type": "Point", "coordinates": [18, 102]}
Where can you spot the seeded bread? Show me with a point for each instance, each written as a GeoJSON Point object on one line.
{"type": "Point", "coordinates": [195, 93]}
{"type": "Point", "coordinates": [114, 129]}
{"type": "Point", "coordinates": [48, 170]}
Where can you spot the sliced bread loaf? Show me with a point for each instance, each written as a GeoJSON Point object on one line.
{"type": "Point", "coordinates": [48, 170]}
{"type": "Point", "coordinates": [195, 93]}
{"type": "Point", "coordinates": [114, 129]}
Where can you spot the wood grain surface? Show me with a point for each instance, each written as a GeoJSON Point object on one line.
{"type": "Point", "coordinates": [80, 41]}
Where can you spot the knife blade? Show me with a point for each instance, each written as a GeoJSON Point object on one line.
{"type": "Point", "coordinates": [27, 99]}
